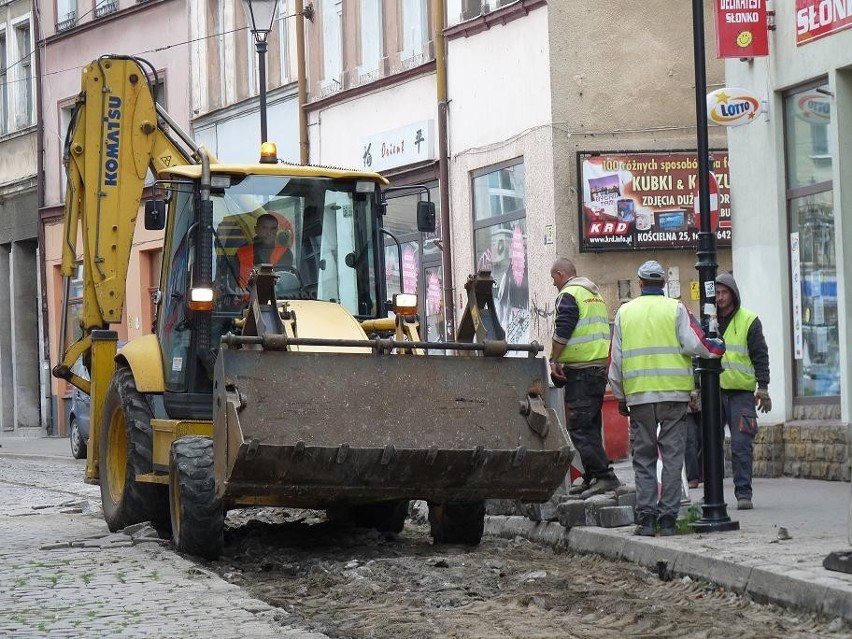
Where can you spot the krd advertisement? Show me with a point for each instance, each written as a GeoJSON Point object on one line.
{"type": "Point", "coordinates": [636, 201]}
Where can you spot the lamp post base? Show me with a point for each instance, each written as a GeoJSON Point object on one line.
{"type": "Point", "coordinates": [714, 519]}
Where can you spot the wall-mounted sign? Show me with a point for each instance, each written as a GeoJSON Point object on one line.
{"type": "Point", "coordinates": [731, 107]}
{"type": "Point", "coordinates": [819, 18]}
{"type": "Point", "coordinates": [406, 145]}
{"type": "Point", "coordinates": [741, 29]}
{"type": "Point", "coordinates": [635, 201]}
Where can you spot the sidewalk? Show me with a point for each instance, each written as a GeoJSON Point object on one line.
{"type": "Point", "coordinates": [758, 559]}
{"type": "Point", "coordinates": [59, 447]}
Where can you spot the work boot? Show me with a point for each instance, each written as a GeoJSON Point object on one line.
{"type": "Point", "coordinates": [599, 486]}
{"type": "Point", "coordinates": [647, 526]}
{"type": "Point", "coordinates": [744, 503]}
{"type": "Point", "coordinates": [580, 488]}
{"type": "Point", "coordinates": [668, 526]}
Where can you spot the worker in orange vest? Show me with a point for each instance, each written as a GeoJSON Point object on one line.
{"type": "Point", "coordinates": [266, 248]}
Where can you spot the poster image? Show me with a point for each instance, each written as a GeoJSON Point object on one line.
{"type": "Point", "coordinates": [636, 201]}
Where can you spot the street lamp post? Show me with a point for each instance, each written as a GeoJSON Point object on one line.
{"type": "Point", "coordinates": [714, 513]}
{"type": "Point", "coordinates": [260, 16]}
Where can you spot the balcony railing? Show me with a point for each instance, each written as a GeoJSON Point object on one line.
{"type": "Point", "coordinates": [105, 8]}
{"type": "Point", "coordinates": [69, 21]}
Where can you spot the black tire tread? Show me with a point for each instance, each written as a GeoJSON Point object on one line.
{"type": "Point", "coordinates": [200, 530]}
{"type": "Point", "coordinates": [140, 501]}
{"type": "Point", "coordinates": [457, 522]}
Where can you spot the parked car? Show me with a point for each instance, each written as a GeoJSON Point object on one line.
{"type": "Point", "coordinates": [78, 417]}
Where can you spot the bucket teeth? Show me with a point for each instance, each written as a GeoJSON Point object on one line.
{"type": "Point", "coordinates": [342, 453]}
{"type": "Point", "coordinates": [388, 454]}
{"type": "Point", "coordinates": [518, 459]}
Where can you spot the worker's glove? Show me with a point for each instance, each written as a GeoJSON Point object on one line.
{"type": "Point", "coordinates": [623, 408]}
{"type": "Point", "coordinates": [762, 400]}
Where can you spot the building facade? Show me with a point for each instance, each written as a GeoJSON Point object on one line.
{"type": "Point", "coordinates": [791, 195]}
{"type": "Point", "coordinates": [23, 405]}
{"type": "Point", "coordinates": [72, 37]}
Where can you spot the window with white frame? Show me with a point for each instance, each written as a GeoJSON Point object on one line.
{"type": "Point", "coordinates": [284, 39]}
{"type": "Point", "coordinates": [331, 43]}
{"type": "Point", "coordinates": [370, 35]}
{"type": "Point", "coordinates": [4, 85]}
{"type": "Point", "coordinates": [500, 242]}
{"type": "Point", "coordinates": [25, 82]}
{"type": "Point", "coordinates": [415, 29]}
{"type": "Point", "coordinates": [66, 14]}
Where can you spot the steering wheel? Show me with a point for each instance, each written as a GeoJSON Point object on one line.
{"type": "Point", "coordinates": [288, 283]}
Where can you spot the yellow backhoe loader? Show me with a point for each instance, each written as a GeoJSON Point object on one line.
{"type": "Point", "coordinates": [298, 387]}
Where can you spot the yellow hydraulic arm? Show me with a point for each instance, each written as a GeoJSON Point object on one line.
{"type": "Point", "coordinates": [116, 134]}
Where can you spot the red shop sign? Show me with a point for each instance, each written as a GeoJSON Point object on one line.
{"type": "Point", "coordinates": [819, 18]}
{"type": "Point", "coordinates": [741, 29]}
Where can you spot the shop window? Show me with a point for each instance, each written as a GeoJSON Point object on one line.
{"type": "Point", "coordinates": [500, 243]}
{"type": "Point", "coordinates": [415, 267]}
{"type": "Point", "coordinates": [810, 208]}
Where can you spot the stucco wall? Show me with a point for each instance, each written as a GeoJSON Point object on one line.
{"type": "Point", "coordinates": [623, 80]}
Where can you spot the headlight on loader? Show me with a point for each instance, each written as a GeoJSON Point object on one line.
{"type": "Point", "coordinates": [405, 304]}
{"type": "Point", "coordinates": [201, 299]}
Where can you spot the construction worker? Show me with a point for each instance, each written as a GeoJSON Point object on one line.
{"type": "Point", "coordinates": [578, 356]}
{"type": "Point", "coordinates": [744, 381]}
{"type": "Point", "coordinates": [266, 248]}
{"type": "Point", "coordinates": [653, 341]}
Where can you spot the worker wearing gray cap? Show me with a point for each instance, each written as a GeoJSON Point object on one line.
{"type": "Point", "coordinates": [653, 341]}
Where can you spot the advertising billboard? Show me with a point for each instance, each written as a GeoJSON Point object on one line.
{"type": "Point", "coordinates": [644, 200]}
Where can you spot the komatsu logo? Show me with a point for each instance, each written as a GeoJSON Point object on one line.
{"type": "Point", "coordinates": [112, 122]}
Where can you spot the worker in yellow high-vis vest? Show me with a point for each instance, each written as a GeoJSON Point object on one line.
{"type": "Point", "coordinates": [578, 358]}
{"type": "Point", "coordinates": [653, 341]}
{"type": "Point", "coordinates": [744, 381]}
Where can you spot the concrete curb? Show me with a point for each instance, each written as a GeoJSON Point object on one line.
{"type": "Point", "coordinates": [58, 458]}
{"type": "Point", "coordinates": [764, 582]}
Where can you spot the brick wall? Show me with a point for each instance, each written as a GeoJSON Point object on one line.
{"type": "Point", "coordinates": [810, 450]}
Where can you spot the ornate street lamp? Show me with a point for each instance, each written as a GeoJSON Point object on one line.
{"type": "Point", "coordinates": [260, 16]}
{"type": "Point", "coordinates": [714, 511]}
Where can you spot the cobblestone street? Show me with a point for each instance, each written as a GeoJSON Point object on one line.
{"type": "Point", "coordinates": [65, 575]}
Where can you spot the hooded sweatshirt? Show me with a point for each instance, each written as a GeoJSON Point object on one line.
{"type": "Point", "coordinates": [758, 352]}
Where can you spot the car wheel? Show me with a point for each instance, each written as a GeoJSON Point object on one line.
{"type": "Point", "coordinates": [78, 446]}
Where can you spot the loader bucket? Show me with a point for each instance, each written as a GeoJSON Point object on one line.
{"type": "Point", "coordinates": [313, 429]}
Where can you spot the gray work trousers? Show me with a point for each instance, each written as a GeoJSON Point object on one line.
{"type": "Point", "coordinates": [647, 446]}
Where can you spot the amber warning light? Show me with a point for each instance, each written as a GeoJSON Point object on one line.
{"type": "Point", "coordinates": [268, 153]}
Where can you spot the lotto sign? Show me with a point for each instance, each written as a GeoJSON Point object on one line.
{"type": "Point", "coordinates": [741, 29]}
{"type": "Point", "coordinates": [818, 18]}
{"type": "Point", "coordinates": [732, 107]}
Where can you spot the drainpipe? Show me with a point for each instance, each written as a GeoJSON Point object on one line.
{"type": "Point", "coordinates": [44, 364]}
{"type": "Point", "coordinates": [443, 171]}
{"type": "Point", "coordinates": [304, 149]}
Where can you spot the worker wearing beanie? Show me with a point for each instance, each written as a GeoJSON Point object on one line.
{"type": "Point", "coordinates": [653, 341]}
{"type": "Point", "coordinates": [744, 381]}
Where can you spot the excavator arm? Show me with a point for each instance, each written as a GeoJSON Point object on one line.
{"type": "Point", "coordinates": [117, 113]}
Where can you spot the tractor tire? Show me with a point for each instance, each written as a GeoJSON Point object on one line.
{"type": "Point", "coordinates": [386, 516]}
{"type": "Point", "coordinates": [457, 522]}
{"type": "Point", "coordinates": [126, 451]}
{"type": "Point", "coordinates": [198, 518]}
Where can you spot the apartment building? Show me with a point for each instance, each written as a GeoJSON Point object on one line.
{"type": "Point", "coordinates": [22, 403]}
